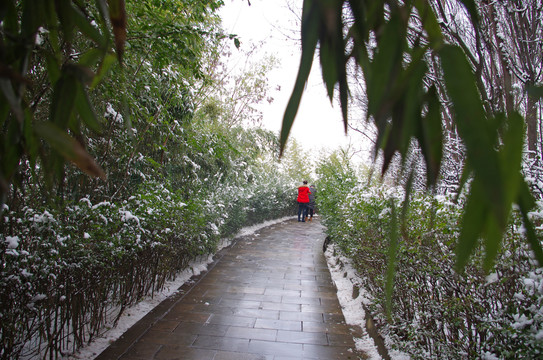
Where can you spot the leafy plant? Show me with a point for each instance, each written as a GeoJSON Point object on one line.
{"type": "Point", "coordinates": [404, 105]}
{"type": "Point", "coordinates": [431, 311]}
{"type": "Point", "coordinates": [49, 28]}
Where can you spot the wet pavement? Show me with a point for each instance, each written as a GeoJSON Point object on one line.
{"type": "Point", "coordinates": [269, 296]}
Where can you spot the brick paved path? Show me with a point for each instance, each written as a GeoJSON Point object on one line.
{"type": "Point", "coordinates": [268, 297]}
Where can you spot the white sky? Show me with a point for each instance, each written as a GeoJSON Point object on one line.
{"type": "Point", "coordinates": [318, 124]}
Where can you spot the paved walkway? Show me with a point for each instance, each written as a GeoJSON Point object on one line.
{"type": "Point", "coordinates": [269, 296]}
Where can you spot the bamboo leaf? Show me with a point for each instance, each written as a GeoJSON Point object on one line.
{"type": "Point", "coordinates": [117, 16]}
{"type": "Point", "coordinates": [344, 100]}
{"type": "Point", "coordinates": [473, 223]}
{"type": "Point", "coordinates": [13, 101]}
{"type": "Point", "coordinates": [53, 27]}
{"type": "Point", "coordinates": [327, 56]}
{"type": "Point", "coordinates": [65, 13]}
{"type": "Point", "coordinates": [63, 102]}
{"type": "Point", "coordinates": [511, 157]}
{"type": "Point", "coordinates": [430, 137]}
{"type": "Point", "coordinates": [32, 18]}
{"type": "Point", "coordinates": [69, 148]}
{"type": "Point", "coordinates": [105, 66]}
{"type": "Point", "coordinates": [473, 126]}
{"type": "Point", "coordinates": [493, 236]}
{"type": "Point", "coordinates": [385, 69]}
{"type": "Point", "coordinates": [85, 109]}
{"type": "Point", "coordinates": [412, 99]}
{"type": "Point", "coordinates": [536, 91]}
{"type": "Point", "coordinates": [9, 17]}
{"type": "Point", "coordinates": [53, 68]}
{"type": "Point", "coordinates": [31, 143]}
{"type": "Point", "coordinates": [310, 22]}
{"type": "Point", "coordinates": [472, 10]}
{"type": "Point", "coordinates": [87, 28]}
{"type": "Point", "coordinates": [430, 24]}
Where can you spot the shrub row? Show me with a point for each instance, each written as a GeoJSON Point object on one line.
{"type": "Point", "coordinates": [435, 312]}
{"type": "Point", "coordinates": [69, 271]}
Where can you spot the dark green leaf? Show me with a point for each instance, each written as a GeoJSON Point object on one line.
{"type": "Point", "coordinates": [430, 24]}
{"type": "Point", "coordinates": [473, 223]}
{"type": "Point", "coordinates": [105, 66]}
{"type": "Point", "coordinates": [65, 13]}
{"type": "Point", "coordinates": [69, 148]}
{"type": "Point", "coordinates": [385, 69]}
{"type": "Point", "coordinates": [87, 28]}
{"type": "Point", "coordinates": [493, 235]}
{"type": "Point", "coordinates": [91, 57]}
{"type": "Point", "coordinates": [412, 99]}
{"type": "Point", "coordinates": [85, 109]}
{"type": "Point", "coordinates": [327, 57]}
{"type": "Point", "coordinates": [53, 27]}
{"type": "Point", "coordinates": [9, 94]}
{"type": "Point", "coordinates": [31, 143]}
{"type": "Point", "coordinates": [53, 68]}
{"type": "Point", "coordinates": [472, 10]}
{"type": "Point", "coordinates": [63, 102]}
{"type": "Point", "coordinates": [511, 157]}
{"type": "Point", "coordinates": [310, 23]}
{"type": "Point", "coordinates": [473, 126]}
{"type": "Point", "coordinates": [430, 136]}
{"type": "Point", "coordinates": [32, 19]}
{"type": "Point", "coordinates": [10, 19]}
{"type": "Point", "coordinates": [536, 91]}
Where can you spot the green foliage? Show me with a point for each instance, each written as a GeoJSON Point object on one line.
{"type": "Point", "coordinates": [431, 312]}
{"type": "Point", "coordinates": [38, 38]}
{"type": "Point", "coordinates": [75, 250]}
{"type": "Point", "coordinates": [87, 261]}
{"type": "Point", "coordinates": [404, 105]}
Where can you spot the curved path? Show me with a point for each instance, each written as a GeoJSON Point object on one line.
{"type": "Point", "coordinates": [269, 296]}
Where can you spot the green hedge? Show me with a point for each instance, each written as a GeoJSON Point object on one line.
{"type": "Point", "coordinates": [67, 272]}
{"type": "Point", "coordinates": [435, 312]}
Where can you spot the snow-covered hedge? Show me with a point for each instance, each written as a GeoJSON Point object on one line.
{"type": "Point", "coordinates": [436, 313]}
{"type": "Point", "coordinates": [67, 271]}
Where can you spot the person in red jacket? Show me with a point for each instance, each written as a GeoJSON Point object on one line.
{"type": "Point", "coordinates": [303, 200]}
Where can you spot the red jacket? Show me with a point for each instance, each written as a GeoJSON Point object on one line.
{"type": "Point", "coordinates": [303, 194]}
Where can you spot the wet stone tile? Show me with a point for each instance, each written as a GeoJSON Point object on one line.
{"type": "Point", "coordinates": [278, 324]}
{"type": "Point", "coordinates": [300, 337]}
{"type": "Point", "coordinates": [221, 343]}
{"type": "Point", "coordinates": [184, 353]}
{"type": "Point", "coordinates": [275, 348]}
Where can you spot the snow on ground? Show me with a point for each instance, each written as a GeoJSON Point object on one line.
{"type": "Point", "coordinates": [139, 310]}
{"type": "Point", "coordinates": [345, 277]}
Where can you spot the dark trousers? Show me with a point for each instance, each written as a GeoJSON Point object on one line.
{"type": "Point", "coordinates": [302, 211]}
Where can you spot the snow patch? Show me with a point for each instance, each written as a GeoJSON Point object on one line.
{"type": "Point", "coordinates": [12, 241]}
{"type": "Point", "coordinates": [353, 311]}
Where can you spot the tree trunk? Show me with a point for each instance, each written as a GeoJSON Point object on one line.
{"type": "Point", "coordinates": [532, 125]}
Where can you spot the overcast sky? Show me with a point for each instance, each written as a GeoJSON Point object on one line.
{"type": "Point", "coordinates": [318, 123]}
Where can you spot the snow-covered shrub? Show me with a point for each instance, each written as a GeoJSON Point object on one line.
{"type": "Point", "coordinates": [69, 270]}
{"type": "Point", "coordinates": [436, 312]}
